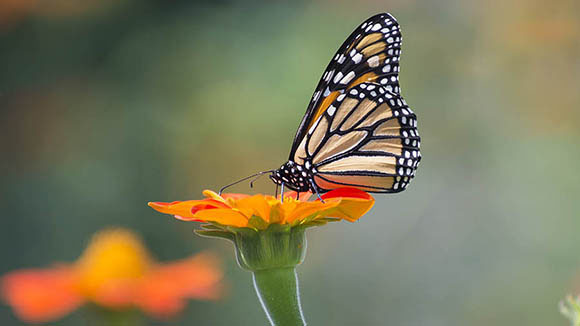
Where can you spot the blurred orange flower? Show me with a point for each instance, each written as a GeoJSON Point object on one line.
{"type": "Point", "coordinates": [115, 272]}
{"type": "Point", "coordinates": [240, 210]}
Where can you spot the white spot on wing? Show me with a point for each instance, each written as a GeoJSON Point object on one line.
{"type": "Point", "coordinates": [311, 130]}
{"type": "Point", "coordinates": [373, 61]}
{"type": "Point", "coordinates": [347, 78]}
{"type": "Point", "coordinates": [329, 75]}
{"type": "Point", "coordinates": [337, 77]}
{"type": "Point", "coordinates": [331, 110]}
{"type": "Point", "coordinates": [316, 95]}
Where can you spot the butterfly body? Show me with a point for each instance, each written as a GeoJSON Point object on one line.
{"type": "Point", "coordinates": [297, 177]}
{"type": "Point", "coordinates": [358, 131]}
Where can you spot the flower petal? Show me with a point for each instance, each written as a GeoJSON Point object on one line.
{"type": "Point", "coordinates": [303, 210]}
{"type": "Point", "coordinates": [162, 293]}
{"type": "Point", "coordinates": [188, 219]}
{"type": "Point", "coordinates": [201, 207]}
{"type": "Point", "coordinates": [350, 209]}
{"type": "Point", "coordinates": [237, 209]}
{"type": "Point", "coordinates": [213, 195]}
{"type": "Point", "coordinates": [235, 196]}
{"type": "Point", "coordinates": [255, 205]}
{"type": "Point", "coordinates": [115, 293]}
{"type": "Point", "coordinates": [222, 216]}
{"type": "Point", "coordinates": [348, 193]}
{"type": "Point", "coordinates": [186, 209]}
{"type": "Point", "coordinates": [41, 295]}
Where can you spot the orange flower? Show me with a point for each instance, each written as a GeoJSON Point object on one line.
{"type": "Point", "coordinates": [259, 211]}
{"type": "Point", "coordinates": [115, 272]}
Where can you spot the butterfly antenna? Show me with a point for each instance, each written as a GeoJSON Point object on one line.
{"type": "Point", "coordinates": [258, 177]}
{"type": "Point", "coordinates": [243, 179]}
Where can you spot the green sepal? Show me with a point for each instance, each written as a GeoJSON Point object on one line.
{"type": "Point", "coordinates": [257, 222]}
{"type": "Point", "coordinates": [209, 226]}
{"type": "Point", "coordinates": [308, 219]}
{"type": "Point", "coordinates": [314, 223]}
{"type": "Point", "coordinates": [329, 219]}
{"type": "Point", "coordinates": [215, 234]}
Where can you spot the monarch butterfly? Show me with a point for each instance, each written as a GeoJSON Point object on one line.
{"type": "Point", "coordinates": [358, 130]}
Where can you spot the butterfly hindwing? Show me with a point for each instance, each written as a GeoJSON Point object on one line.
{"type": "Point", "coordinates": [367, 138]}
{"type": "Point", "coordinates": [369, 54]}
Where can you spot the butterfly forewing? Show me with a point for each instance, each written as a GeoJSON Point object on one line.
{"type": "Point", "coordinates": [369, 54]}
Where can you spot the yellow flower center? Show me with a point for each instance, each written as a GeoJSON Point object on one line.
{"type": "Point", "coordinates": [115, 255]}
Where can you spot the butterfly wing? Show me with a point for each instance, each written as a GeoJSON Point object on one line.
{"type": "Point", "coordinates": [369, 54]}
{"type": "Point", "coordinates": [367, 139]}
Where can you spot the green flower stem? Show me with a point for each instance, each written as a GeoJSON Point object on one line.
{"type": "Point", "coordinates": [278, 292]}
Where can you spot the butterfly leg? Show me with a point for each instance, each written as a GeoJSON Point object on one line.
{"type": "Point", "coordinates": [316, 190]}
{"type": "Point", "coordinates": [277, 185]}
{"type": "Point", "coordinates": [282, 193]}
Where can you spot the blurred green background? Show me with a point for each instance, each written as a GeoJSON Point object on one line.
{"type": "Point", "coordinates": [106, 105]}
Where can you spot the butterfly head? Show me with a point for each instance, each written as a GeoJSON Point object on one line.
{"type": "Point", "coordinates": [294, 176]}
